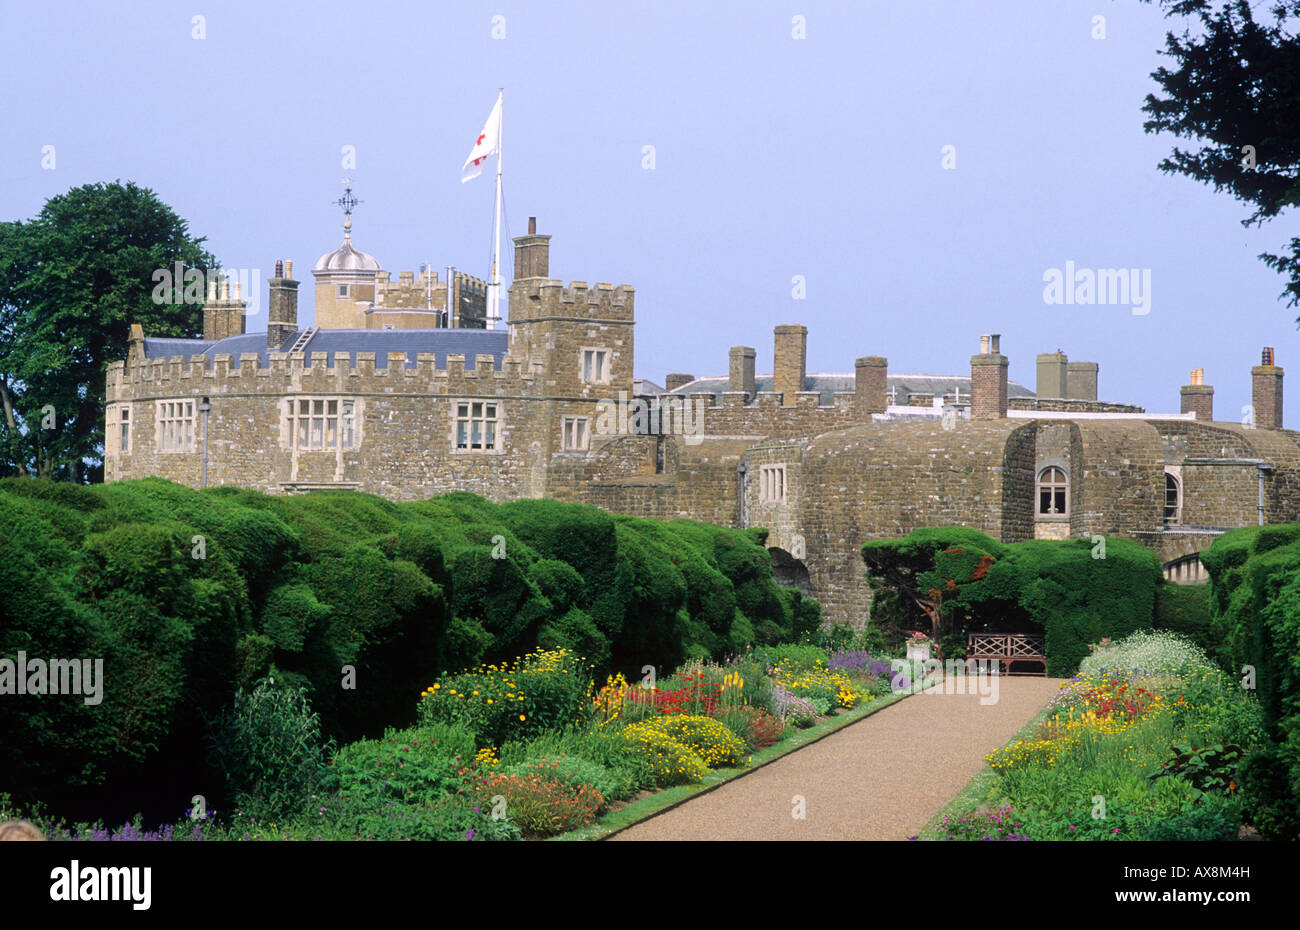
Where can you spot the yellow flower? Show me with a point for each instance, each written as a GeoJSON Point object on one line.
{"type": "Point", "coordinates": [523, 717]}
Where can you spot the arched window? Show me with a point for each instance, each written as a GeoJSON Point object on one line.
{"type": "Point", "coordinates": [1173, 500]}
{"type": "Point", "coordinates": [1053, 492]}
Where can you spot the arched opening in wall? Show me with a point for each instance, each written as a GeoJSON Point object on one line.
{"type": "Point", "coordinates": [1173, 499]}
{"type": "Point", "coordinates": [1053, 492]}
{"type": "Point", "coordinates": [790, 572]}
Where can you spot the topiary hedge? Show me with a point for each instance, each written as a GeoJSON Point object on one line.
{"type": "Point", "coordinates": [188, 595]}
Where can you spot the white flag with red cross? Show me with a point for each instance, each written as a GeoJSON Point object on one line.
{"type": "Point", "coordinates": [487, 143]}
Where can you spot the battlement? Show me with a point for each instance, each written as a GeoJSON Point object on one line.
{"type": "Point", "coordinates": [535, 298]}
{"type": "Point", "coordinates": [293, 373]}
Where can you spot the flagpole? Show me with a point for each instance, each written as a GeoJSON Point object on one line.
{"type": "Point", "coordinates": [494, 311]}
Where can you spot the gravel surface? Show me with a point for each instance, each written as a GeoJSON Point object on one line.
{"type": "Point", "coordinates": [882, 778]}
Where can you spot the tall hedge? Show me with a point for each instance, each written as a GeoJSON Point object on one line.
{"type": "Point", "coordinates": [1255, 597]}
{"type": "Point", "coordinates": [1074, 592]}
{"type": "Point", "coordinates": [189, 595]}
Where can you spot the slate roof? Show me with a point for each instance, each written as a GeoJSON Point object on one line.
{"type": "Point", "coordinates": [829, 385]}
{"type": "Point", "coordinates": [439, 342]}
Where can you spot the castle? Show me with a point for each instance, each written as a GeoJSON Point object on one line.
{"type": "Point", "coordinates": [400, 390]}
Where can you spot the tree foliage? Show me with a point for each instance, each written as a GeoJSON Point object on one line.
{"type": "Point", "coordinates": [1236, 84]}
{"type": "Point", "coordinates": [72, 281]}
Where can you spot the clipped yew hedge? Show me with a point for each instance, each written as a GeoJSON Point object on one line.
{"type": "Point", "coordinates": [189, 595]}
{"type": "Point", "coordinates": [1061, 587]}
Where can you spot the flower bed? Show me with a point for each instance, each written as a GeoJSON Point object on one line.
{"type": "Point", "coordinates": [1142, 744]}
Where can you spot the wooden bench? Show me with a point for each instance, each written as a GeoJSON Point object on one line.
{"type": "Point", "coordinates": [1005, 647]}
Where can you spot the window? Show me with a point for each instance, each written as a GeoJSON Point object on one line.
{"type": "Point", "coordinates": [771, 484]}
{"type": "Point", "coordinates": [1173, 500]}
{"type": "Point", "coordinates": [321, 422]}
{"type": "Point", "coordinates": [477, 424]}
{"type": "Point", "coordinates": [124, 444]}
{"type": "Point", "coordinates": [595, 366]}
{"type": "Point", "coordinates": [575, 434]}
{"type": "Point", "coordinates": [1052, 488]}
{"type": "Point", "coordinates": [176, 426]}
{"type": "Point", "coordinates": [343, 290]}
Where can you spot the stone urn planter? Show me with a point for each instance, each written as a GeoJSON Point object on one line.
{"type": "Point", "coordinates": [919, 651]}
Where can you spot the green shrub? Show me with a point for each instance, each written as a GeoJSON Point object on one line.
{"type": "Point", "coordinates": [577, 772]}
{"type": "Point", "coordinates": [268, 745]}
{"type": "Point", "coordinates": [628, 770]}
{"type": "Point", "coordinates": [415, 766]}
{"type": "Point", "coordinates": [1186, 610]}
{"type": "Point", "coordinates": [539, 801]}
{"type": "Point", "coordinates": [450, 817]}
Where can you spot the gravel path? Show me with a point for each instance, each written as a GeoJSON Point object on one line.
{"type": "Point", "coordinates": [881, 778]}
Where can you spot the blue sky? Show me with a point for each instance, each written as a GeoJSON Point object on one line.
{"type": "Point", "coordinates": [773, 157]}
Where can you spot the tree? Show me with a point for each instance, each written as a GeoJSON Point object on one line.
{"type": "Point", "coordinates": [1237, 91]}
{"type": "Point", "coordinates": [72, 281]}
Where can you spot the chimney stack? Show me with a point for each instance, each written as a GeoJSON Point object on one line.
{"type": "Point", "coordinates": [1198, 397]}
{"type": "Point", "coordinates": [790, 369]}
{"type": "Point", "coordinates": [1051, 375]}
{"type": "Point", "coordinates": [870, 388]}
{"type": "Point", "coordinates": [222, 316]}
{"type": "Point", "coordinates": [741, 371]}
{"type": "Point", "coordinates": [1081, 381]}
{"type": "Point", "coordinates": [677, 379]}
{"type": "Point", "coordinates": [532, 253]}
{"type": "Point", "coordinates": [282, 309]}
{"type": "Point", "coordinates": [988, 381]}
{"type": "Point", "coordinates": [1266, 392]}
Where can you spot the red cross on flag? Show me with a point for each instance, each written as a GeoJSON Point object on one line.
{"type": "Point", "coordinates": [488, 143]}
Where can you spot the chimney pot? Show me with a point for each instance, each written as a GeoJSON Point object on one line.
{"type": "Point", "coordinates": [994, 340]}
{"type": "Point", "coordinates": [984, 344]}
{"type": "Point", "coordinates": [225, 289]}
{"type": "Point", "coordinates": [532, 226]}
{"type": "Point", "coordinates": [279, 269]}
{"type": "Point", "coordinates": [288, 267]}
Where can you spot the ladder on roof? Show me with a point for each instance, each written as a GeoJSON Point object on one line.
{"type": "Point", "coordinates": [304, 337]}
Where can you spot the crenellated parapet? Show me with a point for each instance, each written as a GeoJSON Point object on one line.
{"type": "Point", "coordinates": [536, 299]}
{"type": "Point", "coordinates": [289, 373]}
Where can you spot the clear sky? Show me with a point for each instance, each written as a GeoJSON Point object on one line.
{"type": "Point", "coordinates": [773, 157]}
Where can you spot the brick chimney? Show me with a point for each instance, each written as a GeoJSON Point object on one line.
{"type": "Point", "coordinates": [988, 381]}
{"type": "Point", "coordinates": [1266, 392]}
{"type": "Point", "coordinates": [1051, 374]}
{"type": "Point", "coordinates": [1081, 381]}
{"type": "Point", "coordinates": [741, 370]}
{"type": "Point", "coordinates": [790, 373]}
{"type": "Point", "coordinates": [223, 315]}
{"type": "Point", "coordinates": [677, 379]}
{"type": "Point", "coordinates": [870, 375]}
{"type": "Point", "coordinates": [282, 308]}
{"type": "Point", "coordinates": [1198, 397]}
{"type": "Point", "coordinates": [532, 253]}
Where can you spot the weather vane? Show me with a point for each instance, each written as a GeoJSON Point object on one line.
{"type": "Point", "coordinates": [347, 202]}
